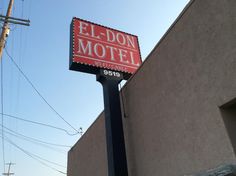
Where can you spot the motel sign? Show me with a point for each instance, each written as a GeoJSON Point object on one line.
{"type": "Point", "coordinates": [112, 56]}
{"type": "Point", "coordinates": [97, 47]}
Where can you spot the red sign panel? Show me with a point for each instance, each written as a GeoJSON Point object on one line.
{"type": "Point", "coordinates": [101, 47]}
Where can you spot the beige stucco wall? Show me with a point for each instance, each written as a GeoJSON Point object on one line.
{"type": "Point", "coordinates": [174, 125]}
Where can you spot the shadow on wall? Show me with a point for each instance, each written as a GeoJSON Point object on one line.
{"type": "Point", "coordinates": [228, 112]}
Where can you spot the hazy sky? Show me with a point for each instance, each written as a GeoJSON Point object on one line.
{"type": "Point", "coordinates": [42, 53]}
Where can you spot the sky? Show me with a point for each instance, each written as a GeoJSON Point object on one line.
{"type": "Point", "coordinates": [50, 92]}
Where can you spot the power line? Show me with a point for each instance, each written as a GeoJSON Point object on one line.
{"type": "Point", "coordinates": [2, 6]}
{"type": "Point", "coordinates": [39, 94]}
{"type": "Point", "coordinates": [38, 123]}
{"type": "Point", "coordinates": [37, 140]}
{"type": "Point", "coordinates": [3, 144]}
{"type": "Point", "coordinates": [20, 58]}
{"type": "Point", "coordinates": [51, 162]}
{"type": "Point", "coordinates": [34, 142]}
{"type": "Point", "coordinates": [37, 158]}
{"type": "Point", "coordinates": [22, 8]}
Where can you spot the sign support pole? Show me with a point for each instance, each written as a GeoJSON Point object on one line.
{"type": "Point", "coordinates": [116, 155]}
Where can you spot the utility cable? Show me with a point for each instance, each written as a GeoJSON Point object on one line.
{"type": "Point", "coordinates": [3, 144]}
{"type": "Point", "coordinates": [20, 57]}
{"type": "Point", "coordinates": [2, 6]}
{"type": "Point", "coordinates": [33, 139]}
{"type": "Point", "coordinates": [34, 142]}
{"type": "Point", "coordinates": [35, 157]}
{"type": "Point", "coordinates": [22, 8]}
{"type": "Point", "coordinates": [38, 123]}
{"type": "Point", "coordinates": [39, 94]}
{"type": "Point", "coordinates": [30, 7]}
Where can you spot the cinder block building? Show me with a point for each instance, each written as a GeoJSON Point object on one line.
{"type": "Point", "coordinates": [180, 106]}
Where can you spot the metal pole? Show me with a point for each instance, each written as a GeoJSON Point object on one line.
{"type": "Point", "coordinates": [116, 155]}
{"type": "Point", "coordinates": [5, 28]}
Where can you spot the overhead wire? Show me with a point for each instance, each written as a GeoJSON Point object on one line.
{"type": "Point", "coordinates": [37, 158]}
{"type": "Point", "coordinates": [39, 94]}
{"type": "Point", "coordinates": [2, 10]}
{"type": "Point", "coordinates": [20, 58]}
{"type": "Point", "coordinates": [3, 144]}
{"type": "Point", "coordinates": [30, 7]}
{"type": "Point", "coordinates": [38, 123]}
{"type": "Point", "coordinates": [35, 142]}
{"type": "Point", "coordinates": [1, 24]}
{"type": "Point", "coordinates": [22, 8]}
{"type": "Point", "coordinates": [13, 27]}
{"type": "Point", "coordinates": [46, 146]}
{"type": "Point", "coordinates": [34, 139]}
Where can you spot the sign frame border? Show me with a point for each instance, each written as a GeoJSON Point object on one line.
{"type": "Point", "coordinates": [86, 68]}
